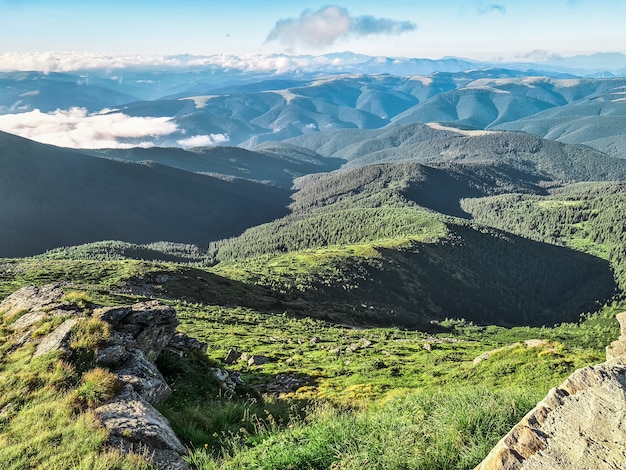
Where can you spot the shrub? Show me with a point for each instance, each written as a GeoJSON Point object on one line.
{"type": "Point", "coordinates": [97, 387]}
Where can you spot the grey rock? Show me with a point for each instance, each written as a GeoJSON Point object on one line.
{"type": "Point", "coordinates": [617, 349]}
{"type": "Point", "coordinates": [258, 360]}
{"type": "Point", "coordinates": [150, 324]}
{"type": "Point", "coordinates": [145, 378]}
{"type": "Point", "coordinates": [135, 426]}
{"type": "Point", "coordinates": [57, 340]}
{"type": "Point", "coordinates": [579, 425]}
{"type": "Point", "coordinates": [112, 356]}
{"type": "Point", "coordinates": [232, 356]}
{"type": "Point", "coordinates": [33, 299]}
{"type": "Point", "coordinates": [181, 344]}
{"type": "Point", "coordinates": [229, 381]}
{"type": "Point", "coordinates": [28, 320]}
{"type": "Point", "coordinates": [139, 334]}
{"type": "Point", "coordinates": [284, 383]}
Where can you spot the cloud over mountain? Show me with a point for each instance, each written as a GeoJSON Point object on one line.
{"type": "Point", "coordinates": [75, 128]}
{"type": "Point", "coordinates": [330, 24]}
{"type": "Point", "coordinates": [203, 140]}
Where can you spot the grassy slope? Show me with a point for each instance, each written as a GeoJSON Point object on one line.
{"type": "Point", "coordinates": [46, 402]}
{"type": "Point", "coordinates": [390, 391]}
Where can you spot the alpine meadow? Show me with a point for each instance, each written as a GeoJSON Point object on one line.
{"type": "Point", "coordinates": [228, 243]}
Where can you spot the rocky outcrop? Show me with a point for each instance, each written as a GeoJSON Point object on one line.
{"type": "Point", "coordinates": [134, 425]}
{"type": "Point", "coordinates": [138, 335]}
{"type": "Point", "coordinates": [580, 425]}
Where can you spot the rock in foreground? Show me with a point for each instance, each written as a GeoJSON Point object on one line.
{"type": "Point", "coordinates": [132, 338]}
{"type": "Point", "coordinates": [580, 425]}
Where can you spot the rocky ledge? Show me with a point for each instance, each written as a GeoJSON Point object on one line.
{"type": "Point", "coordinates": [580, 425]}
{"type": "Point", "coordinates": [138, 334]}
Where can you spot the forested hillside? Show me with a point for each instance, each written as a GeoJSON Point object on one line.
{"type": "Point", "coordinates": [360, 247]}
{"type": "Point", "coordinates": [589, 217]}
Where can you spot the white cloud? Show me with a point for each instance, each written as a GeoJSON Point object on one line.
{"type": "Point", "coordinates": [203, 140]}
{"type": "Point", "coordinates": [73, 62]}
{"type": "Point", "coordinates": [75, 128]}
{"type": "Point", "coordinates": [331, 23]}
{"type": "Point", "coordinates": [539, 55]}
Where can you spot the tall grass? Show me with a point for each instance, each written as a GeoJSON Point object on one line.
{"type": "Point", "coordinates": [426, 429]}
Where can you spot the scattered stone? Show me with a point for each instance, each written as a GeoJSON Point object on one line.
{"type": "Point", "coordinates": [427, 346]}
{"type": "Point", "coordinates": [232, 357]}
{"type": "Point", "coordinates": [284, 383]}
{"type": "Point", "coordinates": [258, 360]}
{"type": "Point", "coordinates": [314, 341]}
{"type": "Point", "coordinates": [362, 344]}
{"type": "Point", "coordinates": [229, 381]}
{"type": "Point", "coordinates": [245, 357]}
{"type": "Point", "coordinates": [180, 344]}
{"type": "Point", "coordinates": [335, 351]}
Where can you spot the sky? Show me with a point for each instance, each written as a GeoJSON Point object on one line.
{"type": "Point", "coordinates": [260, 35]}
{"type": "Point", "coordinates": [475, 29]}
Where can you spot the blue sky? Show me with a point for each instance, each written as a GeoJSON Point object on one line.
{"type": "Point", "coordinates": [507, 29]}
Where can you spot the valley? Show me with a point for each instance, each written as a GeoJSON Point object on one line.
{"type": "Point", "coordinates": [416, 258]}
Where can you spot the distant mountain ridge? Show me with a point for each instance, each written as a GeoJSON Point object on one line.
{"type": "Point", "coordinates": [248, 108]}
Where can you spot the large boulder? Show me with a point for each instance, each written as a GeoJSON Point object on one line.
{"type": "Point", "coordinates": [580, 425]}
{"type": "Point", "coordinates": [134, 425]}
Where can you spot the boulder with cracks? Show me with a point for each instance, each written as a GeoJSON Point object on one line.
{"type": "Point", "coordinates": [580, 425]}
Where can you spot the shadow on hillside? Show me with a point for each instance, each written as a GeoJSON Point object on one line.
{"type": "Point", "coordinates": [445, 186]}
{"type": "Point", "coordinates": [487, 277]}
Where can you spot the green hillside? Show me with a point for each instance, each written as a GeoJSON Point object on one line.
{"type": "Point", "coordinates": [588, 217]}
{"type": "Point", "coordinates": [545, 160]}
{"type": "Point", "coordinates": [360, 247]}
